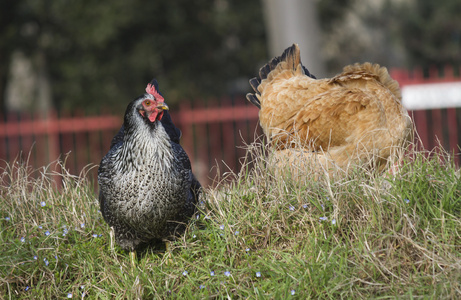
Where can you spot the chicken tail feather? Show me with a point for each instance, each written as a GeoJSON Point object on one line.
{"type": "Point", "coordinates": [253, 99]}
{"type": "Point", "coordinates": [254, 82]}
{"type": "Point", "coordinates": [289, 60]}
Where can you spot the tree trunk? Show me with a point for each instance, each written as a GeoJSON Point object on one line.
{"type": "Point", "coordinates": [295, 21]}
{"type": "Point", "coordinates": [28, 86]}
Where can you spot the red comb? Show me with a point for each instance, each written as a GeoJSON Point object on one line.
{"type": "Point", "coordinates": [150, 89]}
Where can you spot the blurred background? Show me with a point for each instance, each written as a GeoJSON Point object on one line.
{"type": "Point", "coordinates": [68, 68]}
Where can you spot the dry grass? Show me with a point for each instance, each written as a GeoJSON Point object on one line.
{"type": "Point", "coordinates": [262, 233]}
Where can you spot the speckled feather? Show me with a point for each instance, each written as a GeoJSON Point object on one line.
{"type": "Point", "coordinates": [147, 189]}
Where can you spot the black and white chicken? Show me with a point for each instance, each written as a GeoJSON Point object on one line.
{"type": "Point", "coordinates": [147, 189]}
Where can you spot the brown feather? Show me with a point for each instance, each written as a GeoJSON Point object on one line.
{"type": "Point", "coordinates": [357, 111]}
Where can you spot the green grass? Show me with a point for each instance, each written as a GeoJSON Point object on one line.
{"type": "Point", "coordinates": [263, 235]}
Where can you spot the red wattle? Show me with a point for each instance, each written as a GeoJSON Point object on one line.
{"type": "Point", "coordinates": [160, 115]}
{"type": "Point", "coordinates": [153, 116]}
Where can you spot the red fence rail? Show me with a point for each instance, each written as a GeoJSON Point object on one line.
{"type": "Point", "coordinates": [211, 136]}
{"type": "Point", "coordinates": [214, 136]}
{"type": "Point", "coordinates": [440, 126]}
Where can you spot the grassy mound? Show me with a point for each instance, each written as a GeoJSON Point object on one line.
{"type": "Point", "coordinates": [259, 234]}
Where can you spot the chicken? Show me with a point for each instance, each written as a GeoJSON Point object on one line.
{"type": "Point", "coordinates": [147, 189]}
{"type": "Point", "coordinates": [354, 117]}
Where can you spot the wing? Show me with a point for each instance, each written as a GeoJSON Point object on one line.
{"type": "Point", "coordinates": [195, 186]}
{"type": "Point", "coordinates": [118, 138]}
{"type": "Point", "coordinates": [105, 176]}
{"type": "Point", "coordinates": [102, 203]}
{"type": "Point", "coordinates": [330, 119]}
{"type": "Point", "coordinates": [194, 193]}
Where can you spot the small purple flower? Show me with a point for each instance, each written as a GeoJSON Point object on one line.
{"type": "Point", "coordinates": [333, 221]}
{"type": "Point", "coordinates": [69, 295]}
{"type": "Point", "coordinates": [292, 208]}
{"type": "Point", "coordinates": [43, 204]}
{"type": "Point", "coordinates": [323, 218]}
{"type": "Point", "coordinates": [27, 288]}
{"type": "Point", "coordinates": [7, 218]}
{"type": "Point", "coordinates": [304, 205]}
{"type": "Point", "coordinates": [247, 249]}
{"type": "Point", "coordinates": [221, 227]}
{"type": "Point", "coordinates": [47, 233]}
{"type": "Point", "coordinates": [236, 233]}
{"type": "Point", "coordinates": [407, 201]}
{"type": "Point", "coordinates": [23, 240]}
{"type": "Point", "coordinates": [201, 286]}
{"type": "Point", "coordinates": [82, 225]}
{"type": "Point", "coordinates": [293, 292]}
{"type": "Point", "coordinates": [40, 227]}
{"type": "Point", "coordinates": [258, 274]}
{"type": "Point", "coordinates": [35, 257]}
{"type": "Point", "coordinates": [227, 273]}
{"type": "Point", "coordinates": [212, 273]}
{"type": "Point", "coordinates": [185, 273]}
{"type": "Point", "coordinates": [46, 262]}
{"type": "Point", "coordinates": [95, 235]}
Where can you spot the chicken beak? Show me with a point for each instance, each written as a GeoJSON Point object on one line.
{"type": "Point", "coordinates": [162, 106]}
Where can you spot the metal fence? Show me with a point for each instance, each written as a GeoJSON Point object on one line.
{"type": "Point", "coordinates": [214, 135]}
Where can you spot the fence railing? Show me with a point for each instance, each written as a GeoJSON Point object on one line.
{"type": "Point", "coordinates": [436, 111]}
{"type": "Point", "coordinates": [214, 135]}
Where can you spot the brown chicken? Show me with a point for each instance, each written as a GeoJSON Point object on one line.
{"type": "Point", "coordinates": [354, 117]}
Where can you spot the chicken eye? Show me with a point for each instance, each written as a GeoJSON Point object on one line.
{"type": "Point", "coordinates": [148, 102]}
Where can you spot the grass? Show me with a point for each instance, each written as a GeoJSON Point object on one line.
{"type": "Point", "coordinates": [260, 235]}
